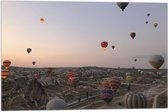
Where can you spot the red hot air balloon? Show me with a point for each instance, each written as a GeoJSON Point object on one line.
{"type": "Point", "coordinates": [33, 62]}
{"type": "Point", "coordinates": [6, 64]}
{"type": "Point", "coordinates": [105, 84]}
{"type": "Point", "coordinates": [132, 34]}
{"type": "Point", "coordinates": [115, 83]}
{"type": "Point", "coordinates": [104, 44]}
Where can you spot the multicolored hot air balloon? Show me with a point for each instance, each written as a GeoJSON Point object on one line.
{"type": "Point", "coordinates": [132, 34]}
{"type": "Point", "coordinates": [156, 61]}
{"type": "Point", "coordinates": [6, 63]}
{"type": "Point", "coordinates": [107, 95]}
{"type": "Point", "coordinates": [29, 50]}
{"type": "Point", "coordinates": [115, 83]}
{"type": "Point", "coordinates": [33, 62]}
{"type": "Point", "coordinates": [122, 5]}
{"type": "Point", "coordinates": [104, 44]}
{"type": "Point", "coordinates": [135, 100]}
{"type": "Point", "coordinates": [5, 73]}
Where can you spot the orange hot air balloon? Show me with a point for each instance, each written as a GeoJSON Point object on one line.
{"type": "Point", "coordinates": [33, 62]}
{"type": "Point", "coordinates": [70, 75]}
{"type": "Point", "coordinates": [132, 34]}
{"type": "Point", "coordinates": [5, 73]}
{"type": "Point", "coordinates": [6, 63]}
{"type": "Point", "coordinates": [41, 20]}
{"type": "Point", "coordinates": [113, 47]}
{"type": "Point", "coordinates": [104, 44]}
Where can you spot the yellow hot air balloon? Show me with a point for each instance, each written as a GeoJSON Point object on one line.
{"type": "Point", "coordinates": [129, 78]}
{"type": "Point", "coordinates": [6, 63]}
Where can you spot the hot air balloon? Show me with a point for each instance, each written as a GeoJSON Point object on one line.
{"type": "Point", "coordinates": [140, 79]}
{"type": "Point", "coordinates": [135, 60]}
{"type": "Point", "coordinates": [33, 62]}
{"type": "Point", "coordinates": [107, 95]}
{"type": "Point", "coordinates": [115, 83]}
{"type": "Point", "coordinates": [49, 71]}
{"type": "Point", "coordinates": [155, 25]}
{"type": "Point", "coordinates": [29, 50]}
{"type": "Point", "coordinates": [41, 20]}
{"type": "Point", "coordinates": [105, 84]}
{"type": "Point", "coordinates": [128, 74]}
{"type": "Point", "coordinates": [132, 34]}
{"type": "Point", "coordinates": [6, 64]}
{"type": "Point", "coordinates": [36, 76]}
{"type": "Point", "coordinates": [148, 14]}
{"type": "Point", "coordinates": [135, 100]}
{"type": "Point", "coordinates": [5, 73]}
{"type": "Point", "coordinates": [113, 47]}
{"type": "Point", "coordinates": [129, 79]}
{"type": "Point", "coordinates": [122, 5]}
{"type": "Point", "coordinates": [70, 74]}
{"type": "Point", "coordinates": [56, 104]}
{"type": "Point", "coordinates": [104, 44]}
{"type": "Point", "coordinates": [156, 61]}
{"type": "Point", "coordinates": [146, 22]}
{"type": "Point", "coordinates": [74, 81]}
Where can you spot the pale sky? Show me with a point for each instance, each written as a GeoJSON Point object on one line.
{"type": "Point", "coordinates": [72, 32]}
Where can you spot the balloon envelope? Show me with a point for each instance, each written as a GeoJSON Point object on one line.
{"type": "Point", "coordinates": [122, 5]}
{"type": "Point", "coordinates": [155, 25]}
{"type": "Point", "coordinates": [56, 104]}
{"type": "Point", "coordinates": [6, 63]}
{"type": "Point", "coordinates": [132, 34]}
{"type": "Point", "coordinates": [28, 50]}
{"type": "Point", "coordinates": [104, 44]}
{"type": "Point", "coordinates": [107, 95]}
{"type": "Point", "coordinates": [33, 62]}
{"type": "Point", "coordinates": [156, 61]}
{"type": "Point", "coordinates": [41, 20]}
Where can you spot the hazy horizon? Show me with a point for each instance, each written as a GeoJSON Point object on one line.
{"type": "Point", "coordinates": [72, 32]}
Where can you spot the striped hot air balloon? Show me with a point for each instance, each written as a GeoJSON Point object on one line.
{"type": "Point", "coordinates": [105, 84]}
{"type": "Point", "coordinates": [5, 73]}
{"type": "Point", "coordinates": [115, 83]}
{"type": "Point", "coordinates": [135, 100]}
